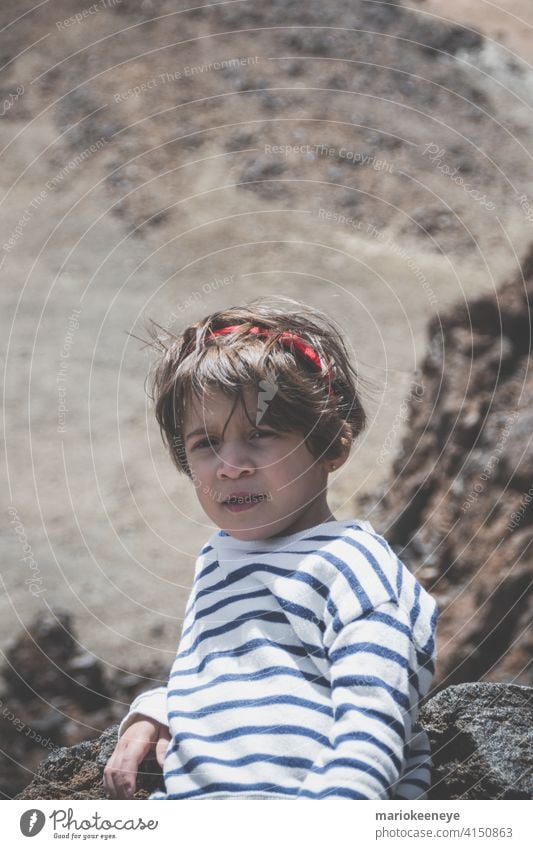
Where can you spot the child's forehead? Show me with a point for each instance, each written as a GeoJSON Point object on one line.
{"type": "Point", "coordinates": [214, 406]}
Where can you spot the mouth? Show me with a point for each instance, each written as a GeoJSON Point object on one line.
{"type": "Point", "coordinates": [236, 503]}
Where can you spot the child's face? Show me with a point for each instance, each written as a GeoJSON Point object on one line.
{"type": "Point", "coordinates": [253, 460]}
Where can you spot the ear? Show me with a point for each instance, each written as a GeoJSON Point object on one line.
{"type": "Point", "coordinates": [345, 441]}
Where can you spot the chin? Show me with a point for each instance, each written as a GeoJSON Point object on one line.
{"type": "Point", "coordinates": [250, 534]}
{"type": "Point", "coordinates": [247, 535]}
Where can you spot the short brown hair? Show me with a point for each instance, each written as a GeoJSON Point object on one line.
{"type": "Point", "coordinates": [191, 363]}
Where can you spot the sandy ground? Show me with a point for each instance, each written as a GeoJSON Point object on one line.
{"type": "Point", "coordinates": [112, 530]}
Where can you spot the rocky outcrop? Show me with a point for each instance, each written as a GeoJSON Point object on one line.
{"type": "Point", "coordinates": [481, 738]}
{"type": "Point", "coordinates": [76, 772]}
{"type": "Point", "coordinates": [459, 506]}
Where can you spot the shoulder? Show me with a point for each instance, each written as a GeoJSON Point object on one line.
{"type": "Point", "coordinates": [363, 559]}
{"type": "Point", "coordinates": [357, 544]}
{"type": "Point", "coordinates": [206, 560]}
{"type": "Point", "coordinates": [370, 574]}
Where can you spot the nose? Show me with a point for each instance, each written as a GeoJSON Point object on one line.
{"type": "Point", "coordinates": [234, 463]}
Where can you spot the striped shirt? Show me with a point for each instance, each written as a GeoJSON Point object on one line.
{"type": "Point", "coordinates": [299, 673]}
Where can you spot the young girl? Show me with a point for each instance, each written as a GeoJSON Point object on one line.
{"type": "Point", "coordinates": [306, 645]}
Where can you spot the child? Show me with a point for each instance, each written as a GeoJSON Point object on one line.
{"type": "Point", "coordinates": [306, 645]}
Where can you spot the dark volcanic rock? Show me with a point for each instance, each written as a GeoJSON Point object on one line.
{"type": "Point", "coordinates": [76, 772]}
{"type": "Point", "coordinates": [481, 738]}
{"type": "Point", "coordinates": [458, 510]}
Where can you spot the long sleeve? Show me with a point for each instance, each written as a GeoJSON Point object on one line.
{"type": "Point", "coordinates": [300, 670]}
{"type": "Point", "coordinates": [375, 687]}
{"type": "Point", "coordinates": [151, 704]}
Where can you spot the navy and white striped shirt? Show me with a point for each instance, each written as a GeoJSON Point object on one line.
{"type": "Point", "coordinates": [299, 673]}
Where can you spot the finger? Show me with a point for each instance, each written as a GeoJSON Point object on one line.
{"type": "Point", "coordinates": [120, 774]}
{"type": "Point", "coordinates": [125, 776]}
{"type": "Point", "coordinates": [121, 771]}
{"type": "Point", "coordinates": [115, 785]}
{"type": "Point", "coordinates": [126, 782]}
{"type": "Point", "coordinates": [161, 747]}
{"type": "Point", "coordinates": [109, 785]}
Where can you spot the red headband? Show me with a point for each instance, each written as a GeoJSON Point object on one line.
{"type": "Point", "coordinates": [290, 338]}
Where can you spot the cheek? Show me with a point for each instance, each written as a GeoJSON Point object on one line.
{"type": "Point", "coordinates": [276, 461]}
{"type": "Point", "coordinates": [285, 468]}
{"type": "Point", "coordinates": [200, 469]}
{"type": "Point", "coordinates": [200, 459]}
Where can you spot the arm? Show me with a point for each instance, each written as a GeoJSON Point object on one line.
{"type": "Point", "coordinates": [144, 728]}
{"type": "Point", "coordinates": [120, 773]}
{"type": "Point", "coordinates": [151, 704]}
{"type": "Point", "coordinates": [373, 666]}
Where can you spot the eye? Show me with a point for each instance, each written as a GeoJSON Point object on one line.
{"type": "Point", "coordinates": [204, 443]}
{"type": "Point", "coordinates": [263, 433]}
{"type": "Point", "coordinates": [209, 440]}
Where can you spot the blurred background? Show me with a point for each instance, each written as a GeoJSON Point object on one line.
{"type": "Point", "coordinates": [371, 159]}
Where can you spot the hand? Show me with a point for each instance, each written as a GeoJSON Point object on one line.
{"type": "Point", "coordinates": [140, 738]}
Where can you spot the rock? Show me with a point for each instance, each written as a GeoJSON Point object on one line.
{"type": "Point", "coordinates": [517, 453]}
{"type": "Point", "coordinates": [57, 697]}
{"type": "Point", "coordinates": [480, 734]}
{"type": "Point", "coordinates": [449, 39]}
{"type": "Point", "coordinates": [77, 772]}
{"type": "Point", "coordinates": [481, 737]}
{"type": "Point", "coordinates": [261, 176]}
{"type": "Point", "coordinates": [458, 510]}
{"type": "Point", "coordinates": [46, 661]}
{"type": "Point", "coordinates": [432, 219]}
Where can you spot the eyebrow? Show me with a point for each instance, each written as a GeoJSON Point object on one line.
{"type": "Point", "coordinates": [198, 430]}
{"type": "Point", "coordinates": [204, 431]}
